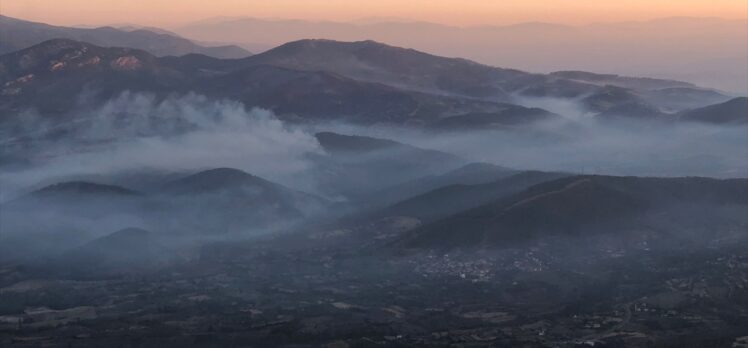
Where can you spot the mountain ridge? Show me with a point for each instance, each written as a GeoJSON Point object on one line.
{"type": "Point", "coordinates": [301, 81]}
{"type": "Point", "coordinates": [19, 34]}
{"type": "Point", "coordinates": [576, 206]}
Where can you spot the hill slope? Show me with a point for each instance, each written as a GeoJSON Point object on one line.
{"type": "Point", "coordinates": [19, 34]}
{"type": "Point", "coordinates": [227, 199]}
{"type": "Point", "coordinates": [356, 166]}
{"type": "Point", "coordinates": [127, 250]}
{"type": "Point", "coordinates": [469, 174]}
{"type": "Point", "coordinates": [52, 77]}
{"type": "Point", "coordinates": [452, 199]}
{"type": "Point", "coordinates": [309, 80]}
{"type": "Point", "coordinates": [414, 70]}
{"type": "Point", "coordinates": [580, 205]}
{"type": "Point", "coordinates": [733, 111]}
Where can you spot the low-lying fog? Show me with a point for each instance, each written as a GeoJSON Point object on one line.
{"type": "Point", "coordinates": [583, 144]}
{"type": "Point", "coordinates": [136, 132]}
{"type": "Point", "coordinates": [595, 147]}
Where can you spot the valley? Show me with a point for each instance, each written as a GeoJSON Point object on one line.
{"type": "Point", "coordinates": [161, 192]}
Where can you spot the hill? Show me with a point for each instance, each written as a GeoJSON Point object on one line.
{"type": "Point", "coordinates": [311, 80]}
{"type": "Point", "coordinates": [76, 199]}
{"type": "Point", "coordinates": [227, 199]}
{"type": "Point", "coordinates": [582, 205]}
{"type": "Point", "coordinates": [733, 111]}
{"type": "Point", "coordinates": [469, 174]}
{"type": "Point", "coordinates": [455, 198]}
{"type": "Point", "coordinates": [356, 166]}
{"type": "Point", "coordinates": [128, 250]}
{"type": "Point", "coordinates": [534, 46]}
{"type": "Point", "coordinates": [82, 188]}
{"type": "Point", "coordinates": [18, 34]}
{"type": "Point", "coordinates": [52, 76]}
{"type": "Point", "coordinates": [376, 62]}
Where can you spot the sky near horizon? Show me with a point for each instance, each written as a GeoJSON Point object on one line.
{"type": "Point", "coordinates": [169, 13]}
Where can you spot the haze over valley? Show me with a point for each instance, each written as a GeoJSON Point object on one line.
{"type": "Point", "coordinates": [251, 182]}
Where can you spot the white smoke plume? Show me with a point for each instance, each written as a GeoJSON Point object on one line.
{"type": "Point", "coordinates": [136, 131]}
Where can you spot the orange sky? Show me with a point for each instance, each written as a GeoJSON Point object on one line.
{"type": "Point", "coordinates": [458, 12]}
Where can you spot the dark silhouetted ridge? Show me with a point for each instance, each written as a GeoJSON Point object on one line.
{"type": "Point", "coordinates": [732, 111]}
{"type": "Point", "coordinates": [334, 142]}
{"type": "Point", "coordinates": [577, 205]}
{"type": "Point", "coordinates": [85, 188]}
{"type": "Point", "coordinates": [216, 180]}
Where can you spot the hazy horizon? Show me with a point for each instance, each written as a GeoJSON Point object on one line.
{"type": "Point", "coordinates": [448, 12]}
{"type": "Point", "coordinates": [696, 50]}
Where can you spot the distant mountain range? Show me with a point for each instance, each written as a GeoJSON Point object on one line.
{"type": "Point", "coordinates": [16, 34]}
{"type": "Point", "coordinates": [312, 80]}
{"type": "Point", "coordinates": [407, 68]}
{"type": "Point", "coordinates": [705, 51]}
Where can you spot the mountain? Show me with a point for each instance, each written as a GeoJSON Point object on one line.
{"type": "Point", "coordinates": [375, 62]}
{"type": "Point", "coordinates": [123, 243]}
{"type": "Point", "coordinates": [683, 98]}
{"type": "Point", "coordinates": [53, 76]}
{"type": "Point", "coordinates": [18, 34]}
{"type": "Point", "coordinates": [78, 198]}
{"type": "Point", "coordinates": [312, 80]}
{"type": "Point", "coordinates": [61, 216]}
{"type": "Point", "coordinates": [621, 81]}
{"type": "Point", "coordinates": [705, 49]}
{"type": "Point", "coordinates": [335, 143]}
{"type": "Point", "coordinates": [124, 251]}
{"type": "Point", "coordinates": [473, 174]}
{"type": "Point", "coordinates": [669, 94]}
{"type": "Point", "coordinates": [233, 199]}
{"type": "Point", "coordinates": [74, 194]}
{"type": "Point", "coordinates": [208, 203]}
{"type": "Point", "coordinates": [356, 166]}
{"type": "Point", "coordinates": [221, 180]}
{"type": "Point", "coordinates": [50, 77]}
{"type": "Point", "coordinates": [512, 115]}
{"type": "Point", "coordinates": [83, 188]}
{"type": "Point", "coordinates": [733, 111]}
{"type": "Point", "coordinates": [454, 198]}
{"type": "Point", "coordinates": [581, 206]}
{"type": "Point", "coordinates": [357, 145]}
{"type": "Point", "coordinates": [419, 71]}
{"type": "Point", "coordinates": [300, 95]}
{"type": "Point", "coordinates": [469, 174]}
